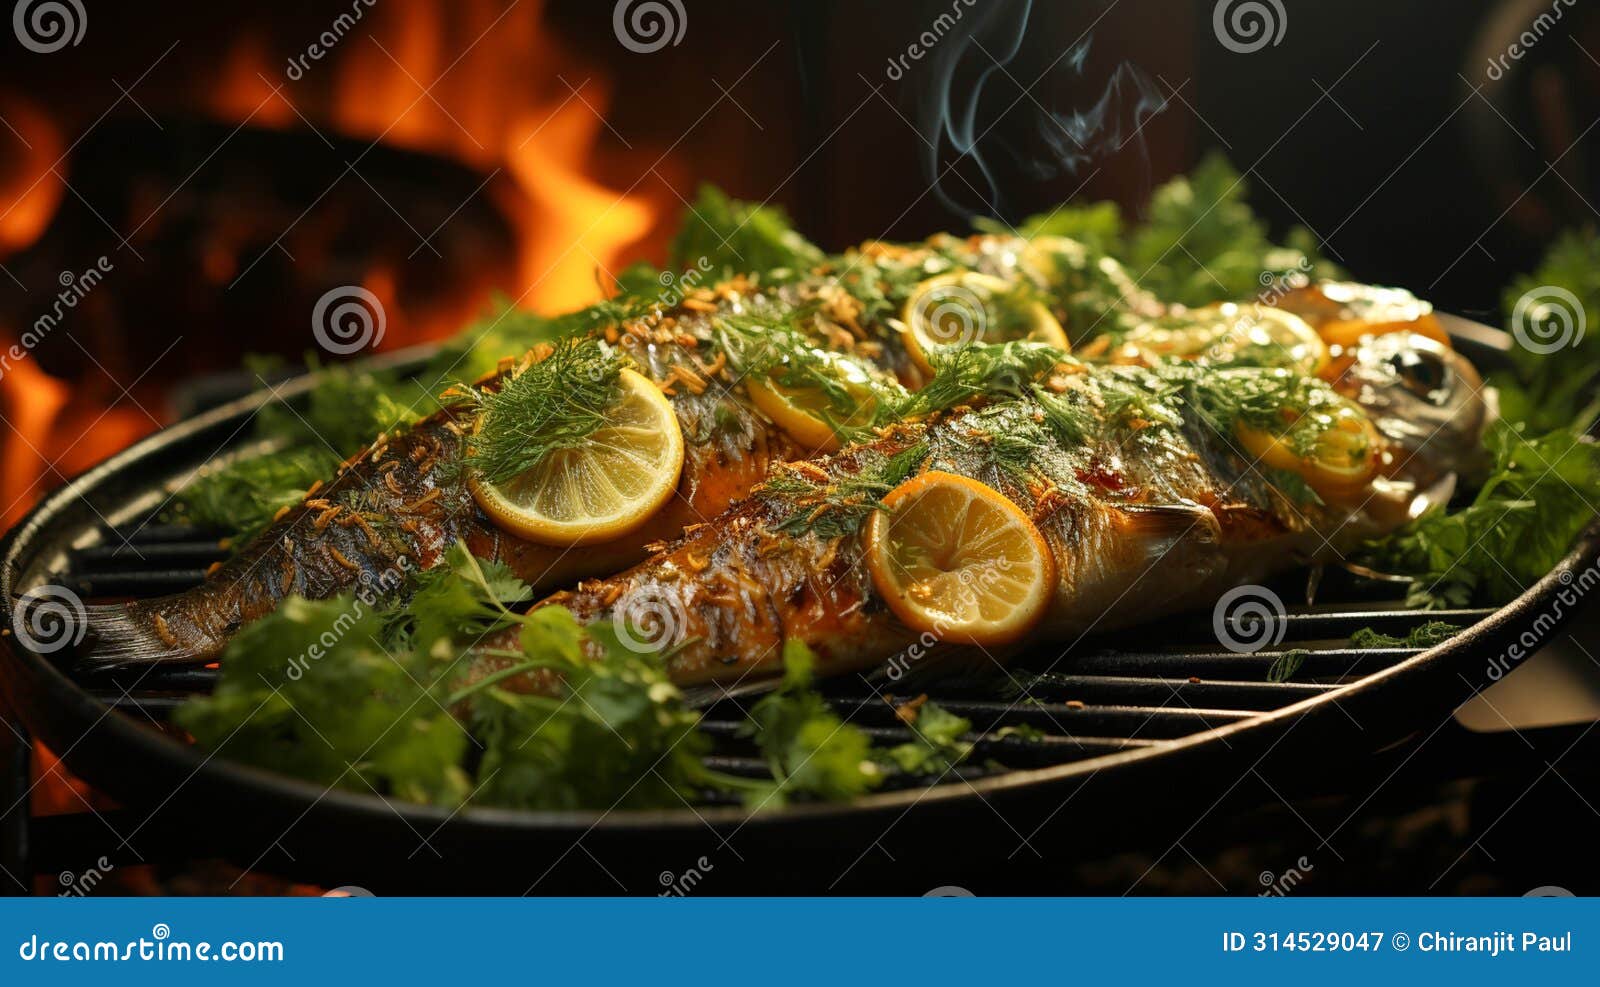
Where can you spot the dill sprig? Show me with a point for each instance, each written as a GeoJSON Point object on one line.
{"type": "Point", "coordinates": [854, 396]}
{"type": "Point", "coordinates": [1283, 403]}
{"type": "Point", "coordinates": [839, 505]}
{"type": "Point", "coordinates": [990, 372]}
{"type": "Point", "coordinates": [554, 404]}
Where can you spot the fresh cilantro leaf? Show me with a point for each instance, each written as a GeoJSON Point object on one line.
{"type": "Point", "coordinates": [809, 749]}
{"type": "Point", "coordinates": [1422, 636]}
{"type": "Point", "coordinates": [1202, 243]}
{"type": "Point", "coordinates": [1284, 667]}
{"type": "Point", "coordinates": [309, 690]}
{"type": "Point", "coordinates": [936, 746]}
{"type": "Point", "coordinates": [723, 234]}
{"type": "Point", "coordinates": [1541, 493]}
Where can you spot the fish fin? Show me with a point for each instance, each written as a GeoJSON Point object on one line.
{"type": "Point", "coordinates": [1157, 528]}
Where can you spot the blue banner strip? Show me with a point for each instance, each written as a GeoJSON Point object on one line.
{"type": "Point", "coordinates": [815, 941]}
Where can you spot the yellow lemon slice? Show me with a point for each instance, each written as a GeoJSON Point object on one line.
{"type": "Point", "coordinates": [804, 409]}
{"type": "Point", "coordinates": [953, 557]}
{"type": "Point", "coordinates": [601, 489]}
{"type": "Point", "coordinates": [1226, 332]}
{"type": "Point", "coordinates": [1345, 312]}
{"type": "Point", "coordinates": [1337, 453]}
{"type": "Point", "coordinates": [964, 308]}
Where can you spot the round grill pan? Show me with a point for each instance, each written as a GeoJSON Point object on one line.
{"type": "Point", "coordinates": [1142, 732]}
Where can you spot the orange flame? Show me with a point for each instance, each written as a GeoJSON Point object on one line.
{"type": "Point", "coordinates": [475, 82]}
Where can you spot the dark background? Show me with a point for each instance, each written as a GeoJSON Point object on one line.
{"type": "Point", "coordinates": [1372, 122]}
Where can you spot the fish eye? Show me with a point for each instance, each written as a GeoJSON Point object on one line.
{"type": "Point", "coordinates": [1423, 373]}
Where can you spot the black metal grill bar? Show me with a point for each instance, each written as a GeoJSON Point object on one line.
{"type": "Point", "coordinates": [149, 582]}
{"type": "Point", "coordinates": [1119, 694]}
{"type": "Point", "coordinates": [1320, 663]}
{"type": "Point", "coordinates": [140, 556]}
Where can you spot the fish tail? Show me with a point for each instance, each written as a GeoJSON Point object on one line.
{"type": "Point", "coordinates": [123, 635]}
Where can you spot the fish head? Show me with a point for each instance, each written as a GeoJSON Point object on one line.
{"type": "Point", "coordinates": [1428, 400]}
{"type": "Point", "coordinates": [1431, 404]}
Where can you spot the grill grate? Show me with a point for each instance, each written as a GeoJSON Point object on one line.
{"type": "Point", "coordinates": [1114, 694]}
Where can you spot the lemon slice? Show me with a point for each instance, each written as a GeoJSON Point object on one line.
{"type": "Point", "coordinates": [1345, 312]}
{"type": "Point", "coordinates": [953, 557]}
{"type": "Point", "coordinates": [1339, 459]}
{"type": "Point", "coordinates": [604, 488]}
{"type": "Point", "coordinates": [1226, 332]}
{"type": "Point", "coordinates": [964, 308]}
{"type": "Point", "coordinates": [803, 410]}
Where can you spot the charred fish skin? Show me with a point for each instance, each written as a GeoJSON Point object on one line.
{"type": "Point", "coordinates": [1140, 522]}
{"type": "Point", "coordinates": [399, 504]}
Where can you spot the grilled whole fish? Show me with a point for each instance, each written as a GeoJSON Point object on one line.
{"type": "Point", "coordinates": [1141, 520]}
{"type": "Point", "coordinates": [398, 505]}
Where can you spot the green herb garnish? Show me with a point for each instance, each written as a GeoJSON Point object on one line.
{"type": "Point", "coordinates": [839, 506]}
{"type": "Point", "coordinates": [1284, 667]}
{"type": "Point", "coordinates": [1422, 636]}
{"type": "Point", "coordinates": [554, 404]}
{"type": "Point", "coordinates": [809, 749]}
{"type": "Point", "coordinates": [733, 237]}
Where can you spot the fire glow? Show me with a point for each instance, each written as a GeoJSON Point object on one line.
{"type": "Point", "coordinates": [480, 84]}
